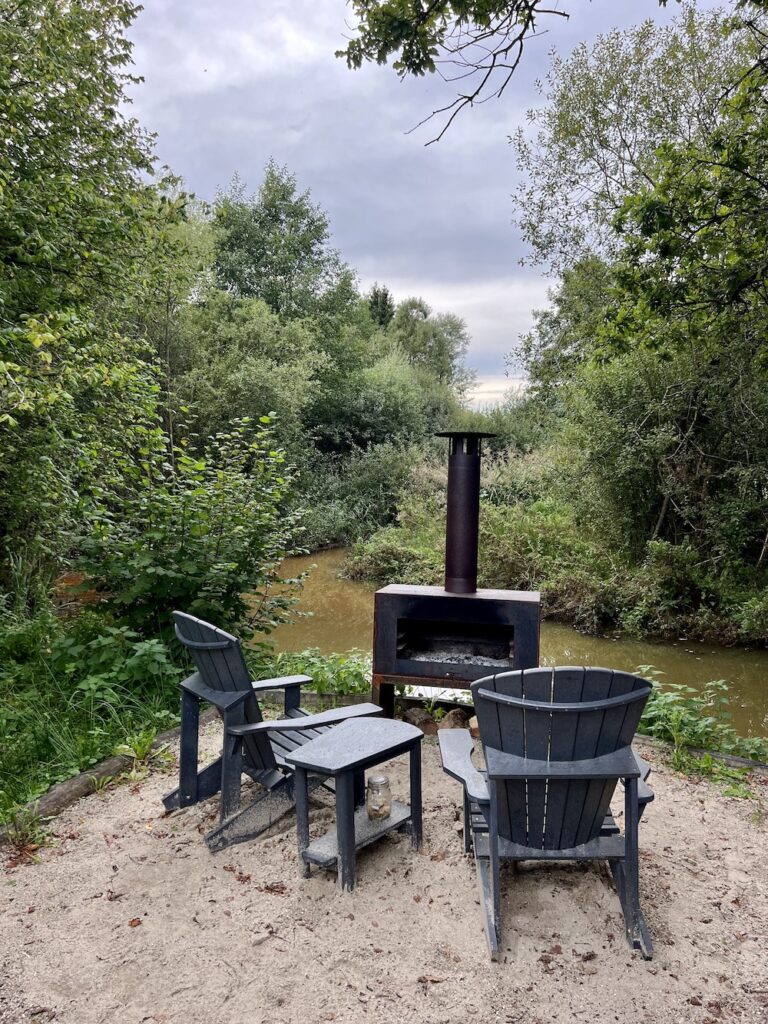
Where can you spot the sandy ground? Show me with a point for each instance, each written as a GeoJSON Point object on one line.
{"type": "Point", "coordinates": [128, 918]}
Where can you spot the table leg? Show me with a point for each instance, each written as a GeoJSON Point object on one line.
{"type": "Point", "coordinates": [345, 828]}
{"type": "Point", "coordinates": [415, 757]}
{"type": "Point", "coordinates": [301, 793]}
{"type": "Point", "coordinates": [359, 788]}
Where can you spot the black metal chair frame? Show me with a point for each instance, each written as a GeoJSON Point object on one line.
{"type": "Point", "coordinates": [250, 745]}
{"type": "Point", "coordinates": [487, 797]}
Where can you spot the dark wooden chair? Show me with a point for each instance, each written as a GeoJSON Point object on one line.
{"type": "Point", "coordinates": [556, 742]}
{"type": "Point", "coordinates": [250, 746]}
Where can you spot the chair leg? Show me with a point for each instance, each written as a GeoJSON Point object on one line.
{"type": "Point", "coordinates": [467, 825]}
{"type": "Point", "coordinates": [495, 872]}
{"type": "Point", "coordinates": [626, 876]}
{"type": "Point", "coordinates": [190, 724]}
{"type": "Point", "coordinates": [231, 774]}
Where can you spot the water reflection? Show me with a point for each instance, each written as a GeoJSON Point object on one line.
{"type": "Point", "coordinates": [342, 619]}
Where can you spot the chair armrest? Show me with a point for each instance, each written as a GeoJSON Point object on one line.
{"type": "Point", "coordinates": [279, 684]}
{"type": "Point", "coordinates": [456, 746]}
{"type": "Point", "coordinates": [307, 721]}
{"type": "Point", "coordinates": [644, 792]}
{"type": "Point", "coordinates": [621, 764]}
{"type": "Point", "coordinates": [290, 685]}
{"type": "Point", "coordinates": [223, 700]}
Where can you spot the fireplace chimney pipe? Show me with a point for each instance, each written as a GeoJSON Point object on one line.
{"type": "Point", "coordinates": [463, 510]}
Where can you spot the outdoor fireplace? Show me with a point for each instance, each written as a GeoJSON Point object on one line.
{"type": "Point", "coordinates": [449, 636]}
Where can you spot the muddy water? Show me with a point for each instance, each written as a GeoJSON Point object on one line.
{"type": "Point", "coordinates": [342, 618]}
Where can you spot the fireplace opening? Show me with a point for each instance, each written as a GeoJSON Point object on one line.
{"type": "Point", "coordinates": [489, 645]}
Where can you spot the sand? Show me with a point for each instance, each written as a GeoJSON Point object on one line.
{"type": "Point", "coordinates": [128, 918]}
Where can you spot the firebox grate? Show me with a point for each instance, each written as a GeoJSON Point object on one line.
{"type": "Point", "coordinates": [487, 645]}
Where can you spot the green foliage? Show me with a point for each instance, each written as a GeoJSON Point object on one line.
{"type": "Point", "coordinates": [70, 693]}
{"type": "Point", "coordinates": [26, 831]}
{"type": "Point", "coordinates": [436, 343]}
{"type": "Point", "coordinates": [274, 246]}
{"type": "Point", "coordinates": [700, 719]}
{"type": "Point", "coordinates": [608, 106]}
{"type": "Point", "coordinates": [347, 499]}
{"type": "Point", "coordinates": [203, 533]}
{"type": "Point", "coordinates": [76, 400]}
{"type": "Point", "coordinates": [381, 305]}
{"type": "Point", "coordinates": [339, 675]}
{"type": "Point", "coordinates": [72, 199]}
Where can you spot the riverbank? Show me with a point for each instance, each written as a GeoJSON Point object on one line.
{"type": "Point", "coordinates": [128, 915]}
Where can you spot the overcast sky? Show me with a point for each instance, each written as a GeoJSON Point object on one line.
{"type": "Point", "coordinates": [229, 84]}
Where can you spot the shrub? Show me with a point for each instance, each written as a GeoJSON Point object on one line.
{"type": "Point", "coordinates": [341, 675]}
{"type": "Point", "coordinates": [689, 718]}
{"type": "Point", "coordinates": [205, 534]}
{"type": "Point", "coordinates": [70, 693]}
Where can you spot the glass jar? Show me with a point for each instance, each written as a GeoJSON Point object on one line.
{"type": "Point", "coordinates": [379, 797]}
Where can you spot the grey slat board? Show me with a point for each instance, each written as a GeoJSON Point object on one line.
{"type": "Point", "coordinates": [503, 727]}
{"type": "Point", "coordinates": [537, 686]}
{"type": "Point", "coordinates": [610, 739]}
{"type": "Point", "coordinates": [568, 687]}
{"type": "Point", "coordinates": [325, 850]}
{"type": "Point", "coordinates": [600, 848]}
{"type": "Point", "coordinates": [597, 684]}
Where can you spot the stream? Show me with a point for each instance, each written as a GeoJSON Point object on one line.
{"type": "Point", "coordinates": [337, 615]}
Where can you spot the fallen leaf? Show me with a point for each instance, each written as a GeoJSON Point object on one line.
{"type": "Point", "coordinates": [134, 922]}
{"type": "Point", "coordinates": [274, 888]}
{"type": "Point", "coordinates": [430, 979]}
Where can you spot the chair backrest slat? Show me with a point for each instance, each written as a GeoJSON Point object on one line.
{"type": "Point", "coordinates": [537, 687]}
{"type": "Point", "coordinates": [498, 721]}
{"type": "Point", "coordinates": [219, 659]}
{"type": "Point", "coordinates": [559, 714]}
{"type": "Point", "coordinates": [567, 689]}
{"type": "Point", "coordinates": [582, 795]}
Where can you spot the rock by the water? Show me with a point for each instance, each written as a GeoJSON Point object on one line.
{"type": "Point", "coordinates": [455, 719]}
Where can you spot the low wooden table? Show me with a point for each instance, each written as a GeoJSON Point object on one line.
{"type": "Point", "coordinates": [343, 753]}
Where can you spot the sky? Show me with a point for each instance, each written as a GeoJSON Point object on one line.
{"type": "Point", "coordinates": [230, 84]}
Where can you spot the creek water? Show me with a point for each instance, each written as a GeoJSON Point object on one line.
{"type": "Point", "coordinates": [336, 615]}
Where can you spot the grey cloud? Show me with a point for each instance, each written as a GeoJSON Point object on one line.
{"type": "Point", "coordinates": [228, 86]}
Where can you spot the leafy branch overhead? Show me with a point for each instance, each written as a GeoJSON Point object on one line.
{"type": "Point", "coordinates": [476, 43]}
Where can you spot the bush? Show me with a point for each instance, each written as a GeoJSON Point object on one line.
{"type": "Point", "coordinates": [205, 534]}
{"type": "Point", "coordinates": [70, 693]}
{"type": "Point", "coordinates": [341, 675]}
{"type": "Point", "coordinates": [689, 718]}
{"type": "Point", "coordinates": [346, 499]}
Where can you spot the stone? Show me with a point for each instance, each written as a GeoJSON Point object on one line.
{"type": "Point", "coordinates": [455, 719]}
{"type": "Point", "coordinates": [474, 728]}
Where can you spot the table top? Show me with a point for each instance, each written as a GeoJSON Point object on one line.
{"type": "Point", "coordinates": [354, 743]}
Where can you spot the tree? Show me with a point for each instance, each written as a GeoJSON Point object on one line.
{"type": "Point", "coordinates": [435, 343]}
{"type": "Point", "coordinates": [74, 201]}
{"type": "Point", "coordinates": [275, 246]}
{"type": "Point", "coordinates": [609, 105]}
{"type": "Point", "coordinates": [476, 42]}
{"type": "Point", "coordinates": [381, 304]}
{"type": "Point", "coordinates": [565, 335]}
{"type": "Point", "coordinates": [79, 227]}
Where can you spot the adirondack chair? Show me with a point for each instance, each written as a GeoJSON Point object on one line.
{"type": "Point", "coordinates": [556, 741]}
{"type": "Point", "coordinates": [250, 746]}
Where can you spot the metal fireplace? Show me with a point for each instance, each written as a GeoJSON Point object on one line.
{"type": "Point", "coordinates": [449, 636]}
